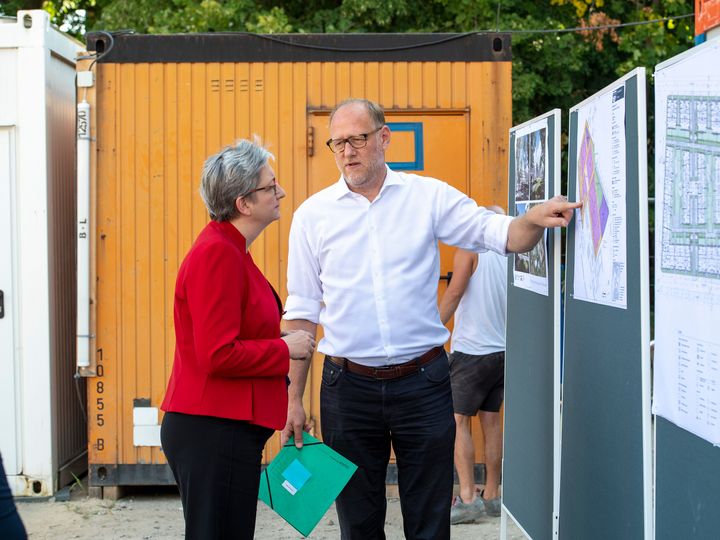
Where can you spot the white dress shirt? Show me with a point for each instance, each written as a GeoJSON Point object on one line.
{"type": "Point", "coordinates": [368, 271]}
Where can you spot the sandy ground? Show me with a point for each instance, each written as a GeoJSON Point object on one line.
{"type": "Point", "coordinates": [159, 516]}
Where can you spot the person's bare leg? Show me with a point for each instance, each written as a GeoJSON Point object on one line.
{"type": "Point", "coordinates": [465, 457]}
{"type": "Point", "coordinates": [492, 431]}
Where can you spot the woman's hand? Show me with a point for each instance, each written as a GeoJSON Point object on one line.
{"type": "Point", "coordinates": [300, 343]}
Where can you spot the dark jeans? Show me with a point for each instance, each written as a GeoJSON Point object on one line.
{"type": "Point", "coordinates": [361, 417]}
{"type": "Point", "coordinates": [216, 464]}
{"type": "Point", "coordinates": [11, 526]}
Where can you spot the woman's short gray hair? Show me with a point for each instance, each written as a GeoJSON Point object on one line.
{"type": "Point", "coordinates": [229, 174]}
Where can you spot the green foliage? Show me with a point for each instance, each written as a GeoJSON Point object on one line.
{"type": "Point", "coordinates": [174, 16]}
{"type": "Point", "coordinates": [71, 16]}
{"type": "Point", "coordinates": [10, 7]}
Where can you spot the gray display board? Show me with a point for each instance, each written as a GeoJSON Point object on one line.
{"type": "Point", "coordinates": [687, 294]}
{"type": "Point", "coordinates": [606, 484]}
{"type": "Point", "coordinates": [687, 490]}
{"type": "Point", "coordinates": [532, 359]}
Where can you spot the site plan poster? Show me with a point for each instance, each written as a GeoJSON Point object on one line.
{"type": "Point", "coordinates": [530, 270]}
{"type": "Point", "coordinates": [600, 225]}
{"type": "Point", "coordinates": [687, 242]}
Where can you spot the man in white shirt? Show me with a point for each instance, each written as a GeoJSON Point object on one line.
{"type": "Point", "coordinates": [364, 263]}
{"type": "Point", "coordinates": [477, 296]}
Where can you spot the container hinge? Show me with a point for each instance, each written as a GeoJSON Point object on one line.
{"type": "Point", "coordinates": [311, 141]}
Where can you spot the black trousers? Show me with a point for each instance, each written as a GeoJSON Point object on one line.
{"type": "Point", "coordinates": [216, 464]}
{"type": "Point", "coordinates": [11, 526]}
{"type": "Point", "coordinates": [361, 417]}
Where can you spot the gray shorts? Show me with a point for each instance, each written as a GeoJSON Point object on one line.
{"type": "Point", "coordinates": [478, 382]}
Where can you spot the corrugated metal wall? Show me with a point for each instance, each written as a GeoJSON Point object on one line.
{"type": "Point", "coordinates": [69, 422]}
{"type": "Point", "coordinates": [158, 122]}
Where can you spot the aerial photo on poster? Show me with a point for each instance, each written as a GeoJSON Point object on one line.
{"type": "Point", "coordinates": [531, 178]}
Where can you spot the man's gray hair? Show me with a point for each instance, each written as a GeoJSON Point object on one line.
{"type": "Point", "coordinates": [377, 115]}
{"type": "Point", "coordinates": [231, 173]}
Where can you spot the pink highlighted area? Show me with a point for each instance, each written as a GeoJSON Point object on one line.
{"type": "Point", "coordinates": [591, 193]}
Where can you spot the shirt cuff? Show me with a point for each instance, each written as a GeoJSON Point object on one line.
{"type": "Point", "coordinates": [496, 234]}
{"type": "Point", "coordinates": [298, 307]}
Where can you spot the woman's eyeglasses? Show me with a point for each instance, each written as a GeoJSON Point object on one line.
{"type": "Point", "coordinates": [266, 189]}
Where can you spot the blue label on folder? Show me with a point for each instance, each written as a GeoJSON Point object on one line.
{"type": "Point", "coordinates": [296, 474]}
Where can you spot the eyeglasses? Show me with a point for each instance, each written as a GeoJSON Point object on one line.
{"type": "Point", "coordinates": [356, 141]}
{"type": "Point", "coordinates": [267, 189]}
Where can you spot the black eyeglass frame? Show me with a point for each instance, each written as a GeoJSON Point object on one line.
{"type": "Point", "coordinates": [361, 141]}
{"type": "Point", "coordinates": [274, 187]}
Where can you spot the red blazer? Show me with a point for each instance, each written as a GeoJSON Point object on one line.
{"type": "Point", "coordinates": [229, 359]}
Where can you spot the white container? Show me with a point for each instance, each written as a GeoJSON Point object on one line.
{"type": "Point", "coordinates": [42, 424]}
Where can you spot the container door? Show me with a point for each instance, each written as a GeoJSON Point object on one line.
{"type": "Point", "coordinates": [431, 144]}
{"type": "Point", "coordinates": [8, 433]}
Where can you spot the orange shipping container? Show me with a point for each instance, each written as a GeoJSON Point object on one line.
{"type": "Point", "coordinates": [161, 104]}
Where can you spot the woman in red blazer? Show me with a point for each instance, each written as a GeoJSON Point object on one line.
{"type": "Point", "coordinates": [228, 387]}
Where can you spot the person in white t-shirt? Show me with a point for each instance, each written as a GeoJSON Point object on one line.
{"type": "Point", "coordinates": [477, 296]}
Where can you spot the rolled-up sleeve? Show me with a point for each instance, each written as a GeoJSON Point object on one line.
{"type": "Point", "coordinates": [304, 299]}
{"type": "Point", "coordinates": [460, 222]}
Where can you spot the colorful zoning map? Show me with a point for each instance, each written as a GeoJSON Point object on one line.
{"type": "Point", "coordinates": [691, 217]}
{"type": "Point", "coordinates": [595, 208]}
{"type": "Point", "coordinates": [600, 235]}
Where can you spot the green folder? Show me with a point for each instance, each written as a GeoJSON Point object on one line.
{"type": "Point", "coordinates": [300, 485]}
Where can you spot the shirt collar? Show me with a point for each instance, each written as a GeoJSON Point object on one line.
{"type": "Point", "coordinates": [340, 189]}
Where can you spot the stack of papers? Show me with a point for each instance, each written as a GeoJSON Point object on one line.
{"type": "Point", "coordinates": [300, 485]}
